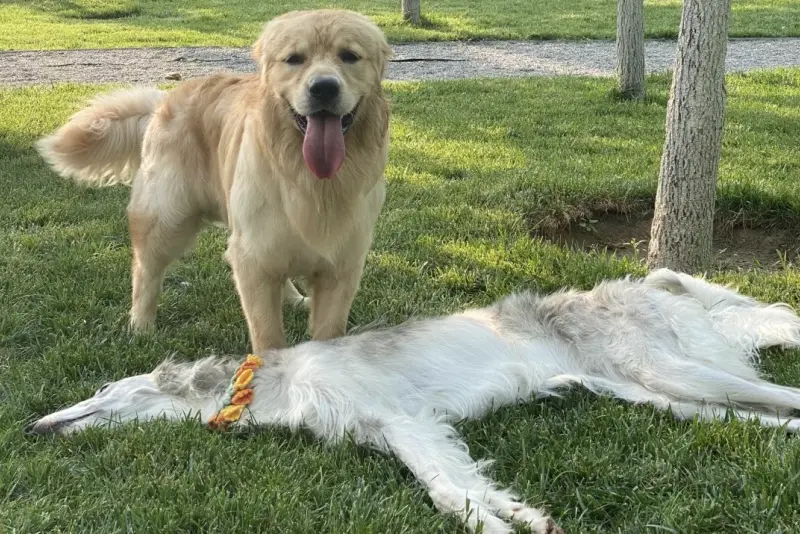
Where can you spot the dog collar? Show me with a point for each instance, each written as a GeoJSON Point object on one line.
{"type": "Point", "coordinates": [238, 396]}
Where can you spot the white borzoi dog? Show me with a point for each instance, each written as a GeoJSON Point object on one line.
{"type": "Point", "coordinates": [670, 340]}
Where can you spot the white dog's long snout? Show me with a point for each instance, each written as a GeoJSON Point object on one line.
{"type": "Point", "coordinates": [61, 422]}
{"type": "Point", "coordinates": [134, 398]}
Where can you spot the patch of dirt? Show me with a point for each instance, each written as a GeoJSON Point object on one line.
{"type": "Point", "coordinates": [738, 248]}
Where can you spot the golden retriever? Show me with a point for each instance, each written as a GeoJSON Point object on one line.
{"type": "Point", "coordinates": [290, 159]}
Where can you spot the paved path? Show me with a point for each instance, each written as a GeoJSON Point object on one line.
{"type": "Point", "coordinates": [420, 61]}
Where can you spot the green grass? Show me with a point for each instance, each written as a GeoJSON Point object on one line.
{"type": "Point", "coordinates": [473, 167]}
{"type": "Point", "coordinates": [55, 24]}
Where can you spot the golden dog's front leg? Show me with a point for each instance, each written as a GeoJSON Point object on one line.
{"type": "Point", "coordinates": [332, 294]}
{"type": "Point", "coordinates": [261, 295]}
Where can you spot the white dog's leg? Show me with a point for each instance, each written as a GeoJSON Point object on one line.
{"type": "Point", "coordinates": [744, 321]}
{"type": "Point", "coordinates": [753, 328]}
{"type": "Point", "coordinates": [708, 294]}
{"type": "Point", "coordinates": [698, 382]}
{"type": "Point", "coordinates": [710, 412]}
{"type": "Point", "coordinates": [441, 461]}
{"type": "Point", "coordinates": [683, 410]}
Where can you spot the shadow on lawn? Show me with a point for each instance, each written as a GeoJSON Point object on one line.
{"type": "Point", "coordinates": [574, 152]}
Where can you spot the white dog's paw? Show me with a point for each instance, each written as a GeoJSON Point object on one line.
{"type": "Point", "coordinates": [546, 526]}
{"type": "Point", "coordinates": [535, 519]}
{"type": "Point", "coordinates": [494, 525]}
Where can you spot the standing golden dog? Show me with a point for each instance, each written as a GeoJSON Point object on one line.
{"type": "Point", "coordinates": [291, 159]}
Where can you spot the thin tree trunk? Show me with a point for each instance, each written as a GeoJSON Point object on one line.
{"type": "Point", "coordinates": [630, 48]}
{"type": "Point", "coordinates": [411, 11]}
{"type": "Point", "coordinates": [683, 222]}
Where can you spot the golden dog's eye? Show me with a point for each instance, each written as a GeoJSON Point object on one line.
{"type": "Point", "coordinates": [348, 57]}
{"type": "Point", "coordinates": [294, 59]}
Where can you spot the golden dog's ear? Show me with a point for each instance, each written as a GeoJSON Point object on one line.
{"type": "Point", "coordinates": [272, 31]}
{"type": "Point", "coordinates": [260, 46]}
{"type": "Point", "coordinates": [258, 49]}
{"type": "Point", "coordinates": [385, 54]}
{"type": "Point", "coordinates": [269, 34]}
{"type": "Point", "coordinates": [376, 35]}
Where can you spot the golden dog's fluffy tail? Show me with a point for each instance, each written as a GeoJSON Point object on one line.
{"type": "Point", "coordinates": [101, 145]}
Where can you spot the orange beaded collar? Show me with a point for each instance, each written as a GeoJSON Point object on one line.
{"type": "Point", "coordinates": [238, 396]}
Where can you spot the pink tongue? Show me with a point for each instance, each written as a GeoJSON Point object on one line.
{"type": "Point", "coordinates": [323, 146]}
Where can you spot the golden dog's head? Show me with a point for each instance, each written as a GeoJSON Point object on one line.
{"type": "Point", "coordinates": [323, 65]}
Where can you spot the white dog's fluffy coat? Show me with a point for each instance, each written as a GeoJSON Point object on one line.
{"type": "Point", "coordinates": [671, 340]}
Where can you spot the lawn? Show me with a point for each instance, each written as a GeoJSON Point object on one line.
{"type": "Point", "coordinates": [467, 185]}
{"type": "Point", "coordinates": [53, 24]}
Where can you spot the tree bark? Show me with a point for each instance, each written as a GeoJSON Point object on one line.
{"type": "Point", "coordinates": [683, 222]}
{"type": "Point", "coordinates": [411, 11]}
{"type": "Point", "coordinates": [630, 48]}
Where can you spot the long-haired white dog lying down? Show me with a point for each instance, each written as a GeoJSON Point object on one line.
{"type": "Point", "coordinates": [671, 340]}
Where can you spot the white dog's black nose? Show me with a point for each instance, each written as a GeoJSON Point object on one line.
{"type": "Point", "coordinates": [324, 89]}
{"type": "Point", "coordinates": [36, 429]}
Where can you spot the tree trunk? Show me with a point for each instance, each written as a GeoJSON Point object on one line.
{"type": "Point", "coordinates": [411, 11]}
{"type": "Point", "coordinates": [683, 222]}
{"type": "Point", "coordinates": [630, 48]}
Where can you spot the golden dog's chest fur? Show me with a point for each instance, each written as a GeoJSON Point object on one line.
{"type": "Point", "coordinates": [227, 149]}
{"type": "Point", "coordinates": [206, 122]}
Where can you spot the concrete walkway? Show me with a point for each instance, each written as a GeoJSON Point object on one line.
{"type": "Point", "coordinates": [419, 61]}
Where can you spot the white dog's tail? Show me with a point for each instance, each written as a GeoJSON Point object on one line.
{"type": "Point", "coordinates": [101, 145]}
{"type": "Point", "coordinates": [745, 322]}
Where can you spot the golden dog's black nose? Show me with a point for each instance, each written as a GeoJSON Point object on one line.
{"type": "Point", "coordinates": [324, 89]}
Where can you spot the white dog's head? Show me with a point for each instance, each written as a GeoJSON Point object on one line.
{"type": "Point", "coordinates": [172, 391]}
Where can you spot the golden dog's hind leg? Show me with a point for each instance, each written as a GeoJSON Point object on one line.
{"type": "Point", "coordinates": [156, 243]}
